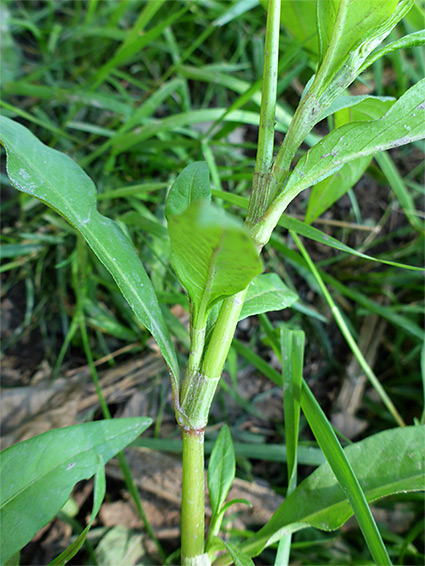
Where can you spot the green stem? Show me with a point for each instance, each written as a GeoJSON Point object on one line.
{"type": "Point", "coordinates": [200, 383]}
{"type": "Point", "coordinates": [192, 517]}
{"type": "Point", "coordinates": [197, 341]}
{"type": "Point", "coordinates": [268, 92]}
{"type": "Point", "coordinates": [260, 197]}
{"type": "Point", "coordinates": [222, 335]}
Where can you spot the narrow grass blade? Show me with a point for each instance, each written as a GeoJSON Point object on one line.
{"type": "Point", "coordinates": [292, 349]}
{"type": "Point", "coordinates": [348, 336]}
{"type": "Point", "coordinates": [400, 190]}
{"type": "Point", "coordinates": [328, 442]}
{"type": "Point", "coordinates": [310, 232]}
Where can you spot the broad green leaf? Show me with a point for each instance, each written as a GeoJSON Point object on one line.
{"type": "Point", "coordinates": [221, 470]}
{"type": "Point", "coordinates": [370, 106]}
{"type": "Point", "coordinates": [327, 192]}
{"type": "Point", "coordinates": [98, 497]}
{"type": "Point", "coordinates": [348, 109]}
{"type": "Point", "coordinates": [266, 293]}
{"type": "Point", "coordinates": [386, 463]}
{"type": "Point", "coordinates": [59, 182]}
{"type": "Point", "coordinates": [349, 30]}
{"type": "Point", "coordinates": [37, 475]}
{"type": "Point", "coordinates": [191, 185]}
{"type": "Point", "coordinates": [213, 255]}
{"type": "Point", "coordinates": [403, 123]}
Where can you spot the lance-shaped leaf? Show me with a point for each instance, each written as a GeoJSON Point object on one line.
{"type": "Point", "coordinates": [349, 30]}
{"type": "Point", "coordinates": [59, 182]}
{"type": "Point", "coordinates": [349, 109]}
{"type": "Point", "coordinates": [37, 475]}
{"type": "Point", "coordinates": [402, 124]}
{"type": "Point", "coordinates": [213, 254]}
{"type": "Point", "coordinates": [267, 292]}
{"type": "Point", "coordinates": [192, 184]}
{"type": "Point", "coordinates": [390, 462]}
{"type": "Point", "coordinates": [221, 470]}
{"type": "Point", "coordinates": [415, 39]}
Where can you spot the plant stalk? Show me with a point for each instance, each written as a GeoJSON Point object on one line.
{"type": "Point", "coordinates": [196, 403]}
{"type": "Point", "coordinates": [260, 194]}
{"type": "Point", "coordinates": [192, 511]}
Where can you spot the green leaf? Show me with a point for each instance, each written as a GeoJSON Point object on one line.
{"type": "Point", "coordinates": [191, 185]}
{"type": "Point", "coordinates": [415, 39]}
{"type": "Point", "coordinates": [213, 255]}
{"type": "Point", "coordinates": [37, 475]}
{"type": "Point", "coordinates": [370, 106]}
{"type": "Point", "coordinates": [239, 557]}
{"type": "Point", "coordinates": [347, 479]}
{"type": "Point", "coordinates": [221, 469]}
{"type": "Point", "coordinates": [98, 496]}
{"type": "Point", "coordinates": [59, 182]}
{"type": "Point", "coordinates": [234, 11]}
{"type": "Point", "coordinates": [348, 32]}
{"type": "Point", "coordinates": [238, 501]}
{"type": "Point", "coordinates": [347, 109]}
{"type": "Point", "coordinates": [327, 192]}
{"type": "Point", "coordinates": [386, 463]}
{"type": "Point", "coordinates": [292, 350]}
{"type": "Point", "coordinates": [267, 292]}
{"type": "Point", "coordinates": [402, 124]}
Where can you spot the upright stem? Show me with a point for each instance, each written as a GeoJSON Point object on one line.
{"type": "Point", "coordinates": [260, 195]}
{"type": "Point", "coordinates": [268, 92]}
{"type": "Point", "coordinates": [192, 517]}
{"type": "Point", "coordinates": [200, 383]}
{"type": "Point", "coordinates": [222, 335]}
